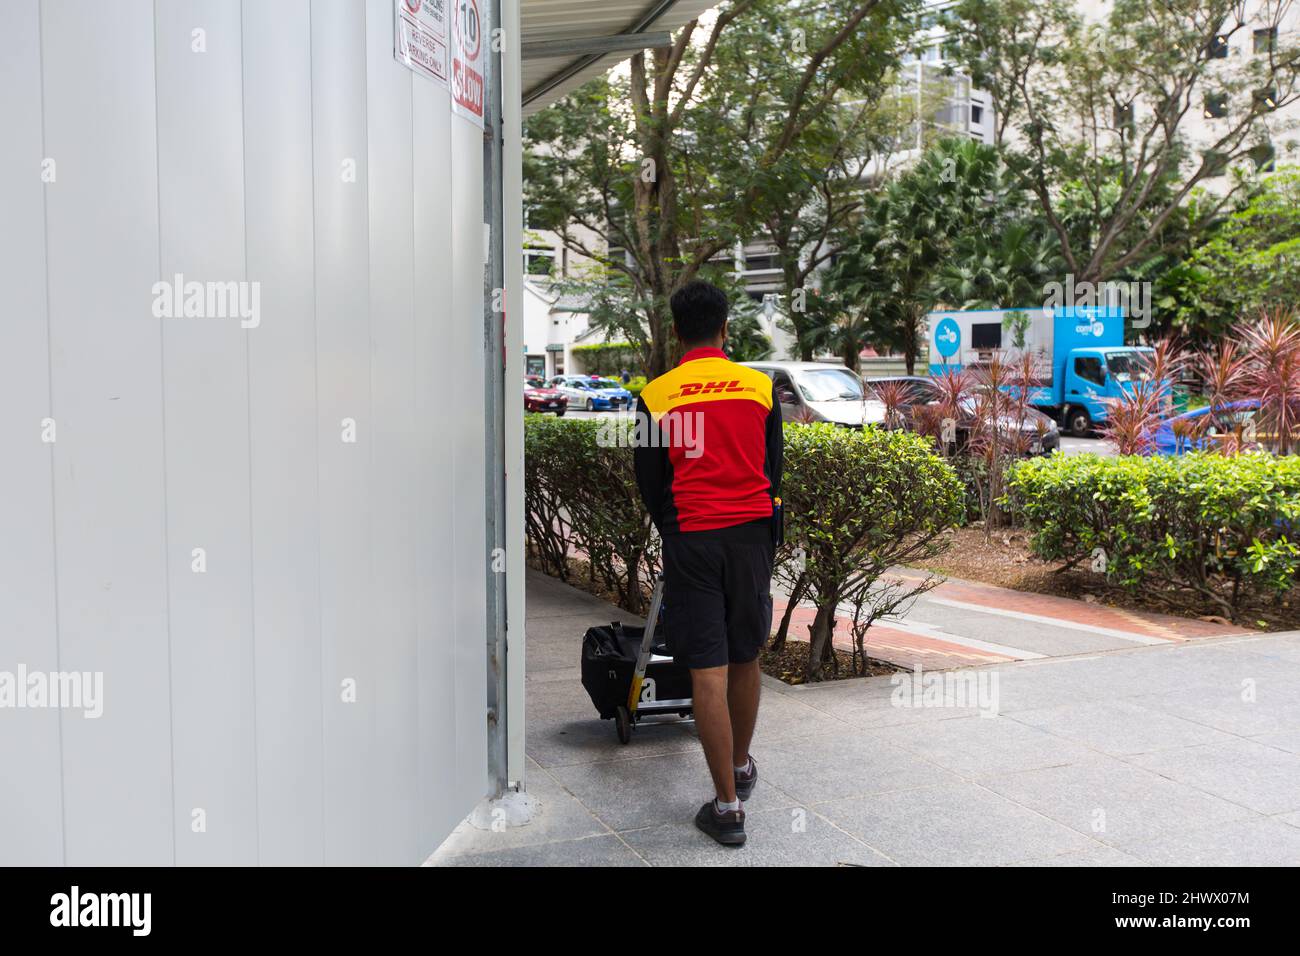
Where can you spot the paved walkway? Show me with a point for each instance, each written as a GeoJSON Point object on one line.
{"type": "Point", "coordinates": [961, 623]}
{"type": "Point", "coordinates": [1183, 752]}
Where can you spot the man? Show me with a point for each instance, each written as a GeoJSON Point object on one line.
{"type": "Point", "coordinates": [709, 469]}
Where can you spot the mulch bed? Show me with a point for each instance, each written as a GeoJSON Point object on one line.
{"type": "Point", "coordinates": [1006, 561]}
{"type": "Point", "coordinates": [791, 663]}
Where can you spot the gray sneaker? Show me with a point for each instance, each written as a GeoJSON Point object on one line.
{"type": "Point", "coordinates": [745, 781]}
{"type": "Point", "coordinates": [727, 827]}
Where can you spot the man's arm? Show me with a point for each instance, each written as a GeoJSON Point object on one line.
{"type": "Point", "coordinates": [650, 461]}
{"type": "Point", "coordinates": [775, 446]}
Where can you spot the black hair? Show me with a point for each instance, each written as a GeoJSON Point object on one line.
{"type": "Point", "coordinates": [699, 311]}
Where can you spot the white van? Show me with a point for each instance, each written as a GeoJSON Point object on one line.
{"type": "Point", "coordinates": [821, 392]}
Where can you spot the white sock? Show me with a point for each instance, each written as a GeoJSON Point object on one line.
{"type": "Point", "coordinates": [745, 767]}
{"type": "Point", "coordinates": [724, 807]}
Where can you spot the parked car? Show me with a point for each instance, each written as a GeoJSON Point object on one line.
{"type": "Point", "coordinates": [820, 392]}
{"type": "Point", "coordinates": [539, 398]}
{"type": "Point", "coordinates": [1039, 432]}
{"type": "Point", "coordinates": [592, 392]}
{"type": "Point", "coordinates": [1203, 427]}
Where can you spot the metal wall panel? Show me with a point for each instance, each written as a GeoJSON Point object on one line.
{"type": "Point", "coordinates": [282, 394]}
{"type": "Point", "coordinates": [205, 390]}
{"type": "Point", "coordinates": [319, 690]}
{"type": "Point", "coordinates": [393, 492]}
{"type": "Point", "coordinates": [29, 738]}
{"type": "Point", "coordinates": [343, 342]}
{"type": "Point", "coordinates": [436, 447]}
{"type": "Point", "coordinates": [465, 338]}
{"type": "Point", "coordinates": [106, 375]}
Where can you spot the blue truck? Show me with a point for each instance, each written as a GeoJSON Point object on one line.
{"type": "Point", "coordinates": [1079, 351]}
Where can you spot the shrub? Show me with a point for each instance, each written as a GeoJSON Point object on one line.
{"type": "Point", "coordinates": [580, 495]}
{"type": "Point", "coordinates": [607, 358]}
{"type": "Point", "coordinates": [1189, 532]}
{"type": "Point", "coordinates": [857, 503]}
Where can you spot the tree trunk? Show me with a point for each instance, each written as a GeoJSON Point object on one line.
{"type": "Point", "coordinates": [852, 356]}
{"type": "Point", "coordinates": [820, 640]}
{"type": "Point", "coordinates": [796, 595]}
{"type": "Point", "coordinates": [661, 323]}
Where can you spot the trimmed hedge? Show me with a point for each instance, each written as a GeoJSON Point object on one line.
{"type": "Point", "coordinates": [581, 496]}
{"type": "Point", "coordinates": [858, 503]}
{"type": "Point", "coordinates": [1189, 532]}
{"type": "Point", "coordinates": [607, 358]}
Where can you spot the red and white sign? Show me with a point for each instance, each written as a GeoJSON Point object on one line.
{"type": "Point", "coordinates": [420, 36]}
{"type": "Point", "coordinates": [468, 54]}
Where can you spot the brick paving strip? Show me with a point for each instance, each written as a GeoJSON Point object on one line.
{"type": "Point", "coordinates": [910, 645]}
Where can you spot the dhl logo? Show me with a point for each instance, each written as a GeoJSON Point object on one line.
{"type": "Point", "coordinates": [704, 388]}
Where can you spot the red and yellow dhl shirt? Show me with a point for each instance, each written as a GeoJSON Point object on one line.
{"type": "Point", "coordinates": [709, 446]}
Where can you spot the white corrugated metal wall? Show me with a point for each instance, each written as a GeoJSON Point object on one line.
{"type": "Point", "coordinates": [327, 561]}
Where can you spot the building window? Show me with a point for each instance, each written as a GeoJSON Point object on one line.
{"type": "Point", "coordinates": [1266, 100]}
{"type": "Point", "coordinates": [976, 115]}
{"type": "Point", "coordinates": [1263, 157]}
{"type": "Point", "coordinates": [1219, 47]}
{"type": "Point", "coordinates": [1123, 117]}
{"type": "Point", "coordinates": [1216, 163]}
{"type": "Point", "coordinates": [1266, 40]}
{"type": "Point", "coordinates": [1216, 105]}
{"type": "Point", "coordinates": [539, 260]}
{"type": "Point", "coordinates": [762, 262]}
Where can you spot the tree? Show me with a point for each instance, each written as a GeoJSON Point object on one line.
{"type": "Point", "coordinates": [850, 146]}
{"type": "Point", "coordinates": [1100, 109]}
{"type": "Point", "coordinates": [1247, 265]}
{"type": "Point", "coordinates": [997, 43]}
{"type": "Point", "coordinates": [655, 172]}
{"type": "Point", "coordinates": [888, 272]}
{"type": "Point", "coordinates": [1006, 269]}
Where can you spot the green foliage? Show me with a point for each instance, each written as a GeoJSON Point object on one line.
{"type": "Point", "coordinates": [857, 503]}
{"type": "Point", "coordinates": [1102, 106]}
{"type": "Point", "coordinates": [923, 241]}
{"type": "Point", "coordinates": [581, 498]}
{"type": "Point", "coordinates": [1248, 264]}
{"type": "Point", "coordinates": [1190, 532]}
{"type": "Point", "coordinates": [607, 358]}
{"type": "Point", "coordinates": [693, 150]}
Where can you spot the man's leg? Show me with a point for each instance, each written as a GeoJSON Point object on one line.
{"type": "Point", "coordinates": [713, 721]}
{"type": "Point", "coordinates": [742, 706]}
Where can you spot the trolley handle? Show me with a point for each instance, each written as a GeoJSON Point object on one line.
{"type": "Point", "coordinates": [647, 642]}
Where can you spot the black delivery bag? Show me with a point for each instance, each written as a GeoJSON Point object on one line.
{"type": "Point", "coordinates": [609, 655]}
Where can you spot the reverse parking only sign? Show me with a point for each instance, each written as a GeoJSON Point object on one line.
{"type": "Point", "coordinates": [420, 37]}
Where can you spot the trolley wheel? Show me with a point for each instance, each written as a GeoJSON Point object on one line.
{"type": "Point", "coordinates": [623, 724]}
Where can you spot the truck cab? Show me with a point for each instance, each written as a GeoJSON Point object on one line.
{"type": "Point", "coordinates": [1093, 375]}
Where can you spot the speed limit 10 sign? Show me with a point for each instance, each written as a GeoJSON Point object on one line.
{"type": "Point", "coordinates": [468, 45]}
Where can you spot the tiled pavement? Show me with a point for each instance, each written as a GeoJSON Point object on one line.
{"type": "Point", "coordinates": [1183, 752]}
{"type": "Point", "coordinates": [964, 623]}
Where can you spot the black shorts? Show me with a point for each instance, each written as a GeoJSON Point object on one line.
{"type": "Point", "coordinates": [717, 594]}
